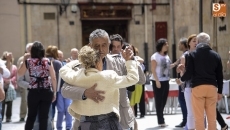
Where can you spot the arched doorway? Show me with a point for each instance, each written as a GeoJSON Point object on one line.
{"type": "Point", "coordinates": [110, 17]}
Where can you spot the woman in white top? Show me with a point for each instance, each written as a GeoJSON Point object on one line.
{"type": "Point", "coordinates": [103, 115]}
{"type": "Point", "coordinates": [160, 67]}
{"type": "Point", "coordinates": [4, 73]}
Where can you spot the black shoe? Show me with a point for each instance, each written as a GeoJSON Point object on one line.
{"type": "Point", "coordinates": [22, 120]}
{"type": "Point", "coordinates": [8, 120]}
{"type": "Point", "coordinates": [225, 128]}
{"type": "Point", "coordinates": [142, 116]}
{"type": "Point", "coordinates": [182, 124]}
{"type": "Point", "coordinates": [163, 125]}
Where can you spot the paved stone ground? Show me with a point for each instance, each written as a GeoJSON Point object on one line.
{"type": "Point", "coordinates": [149, 122]}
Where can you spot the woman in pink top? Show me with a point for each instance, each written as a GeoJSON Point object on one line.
{"type": "Point", "coordinates": [8, 57]}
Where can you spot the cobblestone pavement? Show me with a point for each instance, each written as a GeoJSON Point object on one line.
{"type": "Point", "coordinates": [149, 122]}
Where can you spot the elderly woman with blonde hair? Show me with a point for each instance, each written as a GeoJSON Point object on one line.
{"type": "Point", "coordinates": [9, 82]}
{"type": "Point", "coordinates": [103, 115]}
{"type": "Point", "coordinates": [4, 73]}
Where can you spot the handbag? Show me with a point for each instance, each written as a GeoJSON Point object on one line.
{"type": "Point", "coordinates": [11, 93]}
{"type": "Point", "coordinates": [136, 95]}
{"type": "Point", "coordinates": [131, 88]}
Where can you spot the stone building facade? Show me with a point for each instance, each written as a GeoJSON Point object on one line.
{"type": "Point", "coordinates": [172, 19]}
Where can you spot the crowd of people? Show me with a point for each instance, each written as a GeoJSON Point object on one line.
{"type": "Point", "coordinates": [201, 80]}
{"type": "Point", "coordinates": [101, 85]}
{"type": "Point", "coordinates": [34, 78]}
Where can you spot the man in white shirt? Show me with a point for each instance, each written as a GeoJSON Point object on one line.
{"type": "Point", "coordinates": [23, 83]}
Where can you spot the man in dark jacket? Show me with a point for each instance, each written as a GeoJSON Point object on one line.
{"type": "Point", "coordinates": [204, 66]}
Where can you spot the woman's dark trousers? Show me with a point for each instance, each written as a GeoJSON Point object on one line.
{"type": "Point", "coordinates": [141, 104]}
{"type": "Point", "coordinates": [160, 96]}
{"type": "Point", "coordinates": [220, 119]}
{"type": "Point", "coordinates": [8, 109]}
{"type": "Point", "coordinates": [182, 102]}
{"type": "Point", "coordinates": [39, 100]}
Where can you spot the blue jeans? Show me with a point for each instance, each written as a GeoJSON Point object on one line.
{"type": "Point", "coordinates": [182, 102]}
{"type": "Point", "coordinates": [62, 107]}
{"type": "Point", "coordinates": [49, 126]}
{"type": "Point", "coordinates": [53, 106]}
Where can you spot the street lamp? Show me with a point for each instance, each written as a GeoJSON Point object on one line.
{"type": "Point", "coordinates": [63, 6]}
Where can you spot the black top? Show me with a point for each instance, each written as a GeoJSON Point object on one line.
{"type": "Point", "coordinates": [62, 81]}
{"type": "Point", "coordinates": [204, 67]}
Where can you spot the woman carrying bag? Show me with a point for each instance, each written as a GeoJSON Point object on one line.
{"type": "Point", "coordinates": [10, 84]}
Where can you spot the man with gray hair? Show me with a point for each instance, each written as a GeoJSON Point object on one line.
{"type": "Point", "coordinates": [23, 83]}
{"type": "Point", "coordinates": [99, 40]}
{"type": "Point", "coordinates": [204, 67]}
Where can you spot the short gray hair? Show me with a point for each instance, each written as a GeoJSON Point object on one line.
{"type": "Point", "coordinates": [28, 45]}
{"type": "Point", "coordinates": [74, 49]}
{"type": "Point", "coordinates": [203, 38]}
{"type": "Point", "coordinates": [98, 33]}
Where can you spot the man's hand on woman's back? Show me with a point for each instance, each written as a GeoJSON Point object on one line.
{"type": "Point", "coordinates": [93, 94]}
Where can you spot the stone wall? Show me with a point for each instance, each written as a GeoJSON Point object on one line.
{"type": "Point", "coordinates": [10, 34]}
{"type": "Point", "coordinates": [187, 22]}
{"type": "Point", "coordinates": [57, 31]}
{"type": "Point", "coordinates": [186, 19]}
{"type": "Point", "coordinates": [137, 32]}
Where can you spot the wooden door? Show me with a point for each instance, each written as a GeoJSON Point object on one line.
{"type": "Point", "coordinates": [160, 30]}
{"type": "Point", "coordinates": [111, 27]}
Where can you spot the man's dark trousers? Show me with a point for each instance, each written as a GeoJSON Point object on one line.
{"type": "Point", "coordinates": [182, 105]}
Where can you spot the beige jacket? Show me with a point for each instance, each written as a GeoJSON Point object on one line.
{"type": "Point", "coordinates": [108, 81]}
{"type": "Point", "coordinates": [112, 63]}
